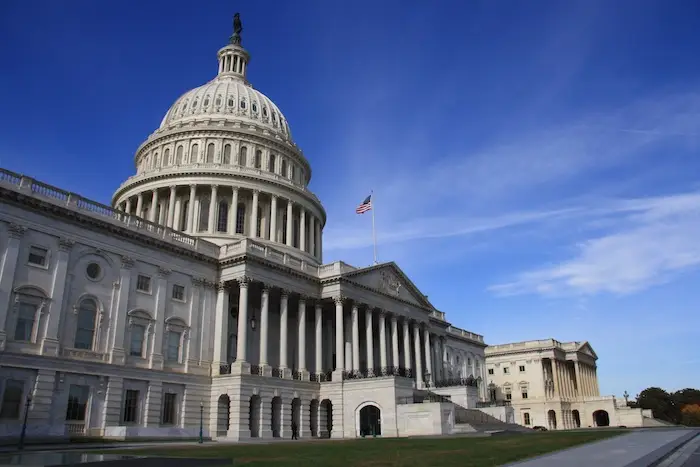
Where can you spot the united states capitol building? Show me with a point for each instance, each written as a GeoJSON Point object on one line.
{"type": "Point", "coordinates": [200, 297]}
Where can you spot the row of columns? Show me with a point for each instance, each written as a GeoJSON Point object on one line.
{"type": "Point", "coordinates": [582, 381]}
{"type": "Point", "coordinates": [310, 237]}
{"type": "Point", "coordinates": [425, 344]}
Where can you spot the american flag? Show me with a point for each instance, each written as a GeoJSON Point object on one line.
{"type": "Point", "coordinates": [365, 206]}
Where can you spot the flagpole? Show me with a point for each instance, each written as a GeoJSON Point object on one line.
{"type": "Point", "coordinates": [374, 230]}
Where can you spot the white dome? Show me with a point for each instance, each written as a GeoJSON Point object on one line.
{"type": "Point", "coordinates": [227, 97]}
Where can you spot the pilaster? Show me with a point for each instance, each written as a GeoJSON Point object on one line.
{"type": "Point", "coordinates": [156, 354]}
{"type": "Point", "coordinates": [305, 425]}
{"type": "Point", "coordinates": [49, 344]}
{"type": "Point", "coordinates": [7, 276]}
{"type": "Point", "coordinates": [154, 395]}
{"type": "Point", "coordinates": [42, 398]}
{"type": "Point", "coordinates": [118, 355]}
{"type": "Point", "coordinates": [111, 411]}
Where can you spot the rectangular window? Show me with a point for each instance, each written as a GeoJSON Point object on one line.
{"type": "Point", "coordinates": [506, 370]}
{"type": "Point", "coordinates": [138, 331]}
{"type": "Point", "coordinates": [490, 371]}
{"type": "Point", "coordinates": [526, 418]}
{"type": "Point", "coordinates": [38, 256]}
{"type": "Point", "coordinates": [77, 402]}
{"type": "Point", "coordinates": [25, 322]}
{"type": "Point", "coordinates": [178, 292]}
{"type": "Point", "coordinates": [12, 399]}
{"type": "Point", "coordinates": [524, 394]}
{"type": "Point", "coordinates": [143, 283]}
{"type": "Point", "coordinates": [131, 406]}
{"type": "Point", "coordinates": [522, 368]}
{"type": "Point", "coordinates": [509, 396]}
{"type": "Point", "coordinates": [169, 414]}
{"type": "Point", "coordinates": [173, 352]}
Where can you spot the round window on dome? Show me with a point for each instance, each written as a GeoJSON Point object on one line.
{"type": "Point", "coordinates": [93, 271]}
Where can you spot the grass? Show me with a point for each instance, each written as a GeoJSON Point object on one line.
{"type": "Point", "coordinates": [390, 452]}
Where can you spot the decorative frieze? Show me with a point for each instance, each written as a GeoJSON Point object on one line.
{"type": "Point", "coordinates": [65, 244]}
{"type": "Point", "coordinates": [16, 230]}
{"type": "Point", "coordinates": [164, 272]}
{"type": "Point", "coordinates": [127, 262]}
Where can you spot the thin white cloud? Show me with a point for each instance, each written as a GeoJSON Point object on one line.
{"type": "Point", "coordinates": [654, 241]}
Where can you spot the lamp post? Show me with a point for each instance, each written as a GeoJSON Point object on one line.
{"type": "Point", "coordinates": [201, 422]}
{"type": "Point", "coordinates": [24, 424]}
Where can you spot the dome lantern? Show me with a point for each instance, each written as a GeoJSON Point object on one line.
{"type": "Point", "coordinates": [233, 59]}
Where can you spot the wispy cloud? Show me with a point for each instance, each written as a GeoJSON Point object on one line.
{"type": "Point", "coordinates": [652, 241]}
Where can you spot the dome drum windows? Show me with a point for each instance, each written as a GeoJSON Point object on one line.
{"type": "Point", "coordinates": [206, 102]}
{"type": "Point", "coordinates": [210, 153]}
{"type": "Point", "coordinates": [271, 165]}
{"type": "Point", "coordinates": [258, 159]}
{"type": "Point", "coordinates": [194, 153]}
{"type": "Point", "coordinates": [255, 107]}
{"type": "Point", "coordinates": [243, 104]}
{"type": "Point", "coordinates": [227, 155]}
{"type": "Point", "coordinates": [243, 156]}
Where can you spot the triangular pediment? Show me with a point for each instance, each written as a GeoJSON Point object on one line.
{"type": "Point", "coordinates": [389, 279]}
{"type": "Point", "coordinates": [585, 348]}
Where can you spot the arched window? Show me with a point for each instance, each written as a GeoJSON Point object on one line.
{"type": "Point", "coordinates": [227, 154]}
{"type": "Point", "coordinates": [271, 167]}
{"type": "Point", "coordinates": [259, 227]}
{"type": "Point", "coordinates": [183, 215]}
{"type": "Point", "coordinates": [242, 160]}
{"type": "Point", "coordinates": [240, 218]}
{"type": "Point", "coordinates": [284, 168]}
{"type": "Point", "coordinates": [194, 154]}
{"type": "Point", "coordinates": [223, 217]}
{"type": "Point", "coordinates": [210, 153]}
{"type": "Point", "coordinates": [156, 161]}
{"type": "Point", "coordinates": [204, 214]}
{"type": "Point", "coordinates": [85, 327]}
{"type": "Point", "coordinates": [294, 172]}
{"type": "Point", "coordinates": [242, 104]}
{"type": "Point", "coordinates": [258, 159]}
{"type": "Point", "coordinates": [206, 101]}
{"type": "Point", "coordinates": [284, 227]}
{"type": "Point", "coordinates": [178, 155]}
{"type": "Point", "coordinates": [166, 157]}
{"type": "Point", "coordinates": [231, 102]}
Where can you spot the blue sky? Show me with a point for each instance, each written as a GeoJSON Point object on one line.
{"type": "Point", "coordinates": [534, 162]}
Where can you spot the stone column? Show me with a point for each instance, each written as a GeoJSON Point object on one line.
{"type": "Point", "coordinates": [49, 343]}
{"type": "Point", "coordinates": [171, 207]}
{"type": "Point", "coordinates": [233, 213]}
{"type": "Point", "coordinates": [302, 228]}
{"type": "Point", "coordinates": [156, 354]}
{"type": "Point", "coordinates": [339, 339]}
{"type": "Point", "coordinates": [139, 205]}
{"type": "Point", "coordinates": [254, 215]}
{"type": "Point", "coordinates": [7, 276]}
{"type": "Point", "coordinates": [312, 235]}
{"type": "Point", "coordinates": [152, 210]}
{"type": "Point", "coordinates": [355, 338]}
{"type": "Point", "coordinates": [394, 342]}
{"type": "Point", "coordinates": [273, 218]}
{"type": "Point", "coordinates": [577, 372]}
{"type": "Point", "coordinates": [127, 208]}
{"type": "Point", "coordinates": [596, 389]}
{"type": "Point", "coordinates": [318, 347]}
{"type": "Point", "coordinates": [406, 345]}
{"type": "Point", "coordinates": [302, 335]}
{"type": "Point", "coordinates": [555, 377]}
{"type": "Point", "coordinates": [118, 355]}
{"type": "Point", "coordinates": [213, 211]}
{"type": "Point", "coordinates": [428, 352]}
{"type": "Point", "coordinates": [190, 209]}
{"type": "Point", "coordinates": [264, 327]}
{"type": "Point", "coordinates": [369, 336]}
{"type": "Point", "coordinates": [319, 251]}
{"type": "Point", "coordinates": [443, 356]}
{"type": "Point", "coordinates": [382, 341]}
{"type": "Point", "coordinates": [284, 331]}
{"type": "Point", "coordinates": [290, 207]}
{"type": "Point", "coordinates": [220, 329]}
{"type": "Point", "coordinates": [242, 344]}
{"type": "Point", "coordinates": [417, 352]}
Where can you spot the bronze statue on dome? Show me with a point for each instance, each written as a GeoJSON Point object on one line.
{"type": "Point", "coordinates": [237, 29]}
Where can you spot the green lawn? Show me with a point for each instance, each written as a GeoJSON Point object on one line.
{"type": "Point", "coordinates": [394, 452]}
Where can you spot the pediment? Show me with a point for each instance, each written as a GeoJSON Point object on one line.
{"type": "Point", "coordinates": [389, 279]}
{"type": "Point", "coordinates": [586, 349]}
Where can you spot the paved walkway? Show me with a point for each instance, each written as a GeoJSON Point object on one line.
{"type": "Point", "coordinates": [686, 456]}
{"type": "Point", "coordinates": [637, 449]}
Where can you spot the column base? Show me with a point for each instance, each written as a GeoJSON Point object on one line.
{"type": "Point", "coordinates": [337, 375]}
{"type": "Point", "coordinates": [49, 346]}
{"type": "Point", "coordinates": [156, 362]}
{"type": "Point", "coordinates": [240, 367]}
{"type": "Point", "coordinates": [117, 357]}
{"type": "Point", "coordinates": [303, 375]}
{"type": "Point", "coordinates": [266, 370]}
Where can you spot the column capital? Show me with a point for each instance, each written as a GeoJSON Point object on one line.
{"type": "Point", "coordinates": [65, 244]}
{"type": "Point", "coordinates": [127, 262]}
{"type": "Point", "coordinates": [173, 188]}
{"type": "Point", "coordinates": [16, 230]}
{"type": "Point", "coordinates": [393, 317]}
{"type": "Point", "coordinates": [215, 187]}
{"type": "Point", "coordinates": [266, 288]}
{"type": "Point", "coordinates": [193, 186]}
{"type": "Point", "coordinates": [340, 300]}
{"type": "Point", "coordinates": [163, 272]}
{"type": "Point", "coordinates": [285, 293]}
{"type": "Point", "coordinates": [221, 286]}
{"type": "Point", "coordinates": [303, 299]}
{"type": "Point", "coordinates": [256, 191]}
{"type": "Point", "coordinates": [381, 313]}
{"type": "Point", "coordinates": [244, 282]}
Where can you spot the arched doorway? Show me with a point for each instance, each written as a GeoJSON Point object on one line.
{"type": "Point", "coordinates": [601, 418]}
{"type": "Point", "coordinates": [552, 419]}
{"type": "Point", "coordinates": [222, 415]}
{"type": "Point", "coordinates": [370, 421]}
{"type": "Point", "coordinates": [313, 417]}
{"type": "Point", "coordinates": [276, 420]}
{"type": "Point", "coordinates": [326, 418]}
{"type": "Point", "coordinates": [296, 414]}
{"type": "Point", "coordinates": [255, 416]}
{"type": "Point", "coordinates": [577, 418]}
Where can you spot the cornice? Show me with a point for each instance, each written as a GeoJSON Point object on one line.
{"type": "Point", "coordinates": [76, 217]}
{"type": "Point", "coordinates": [244, 258]}
{"type": "Point", "coordinates": [344, 280]}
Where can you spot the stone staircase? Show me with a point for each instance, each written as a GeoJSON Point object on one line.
{"type": "Point", "coordinates": [471, 420]}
